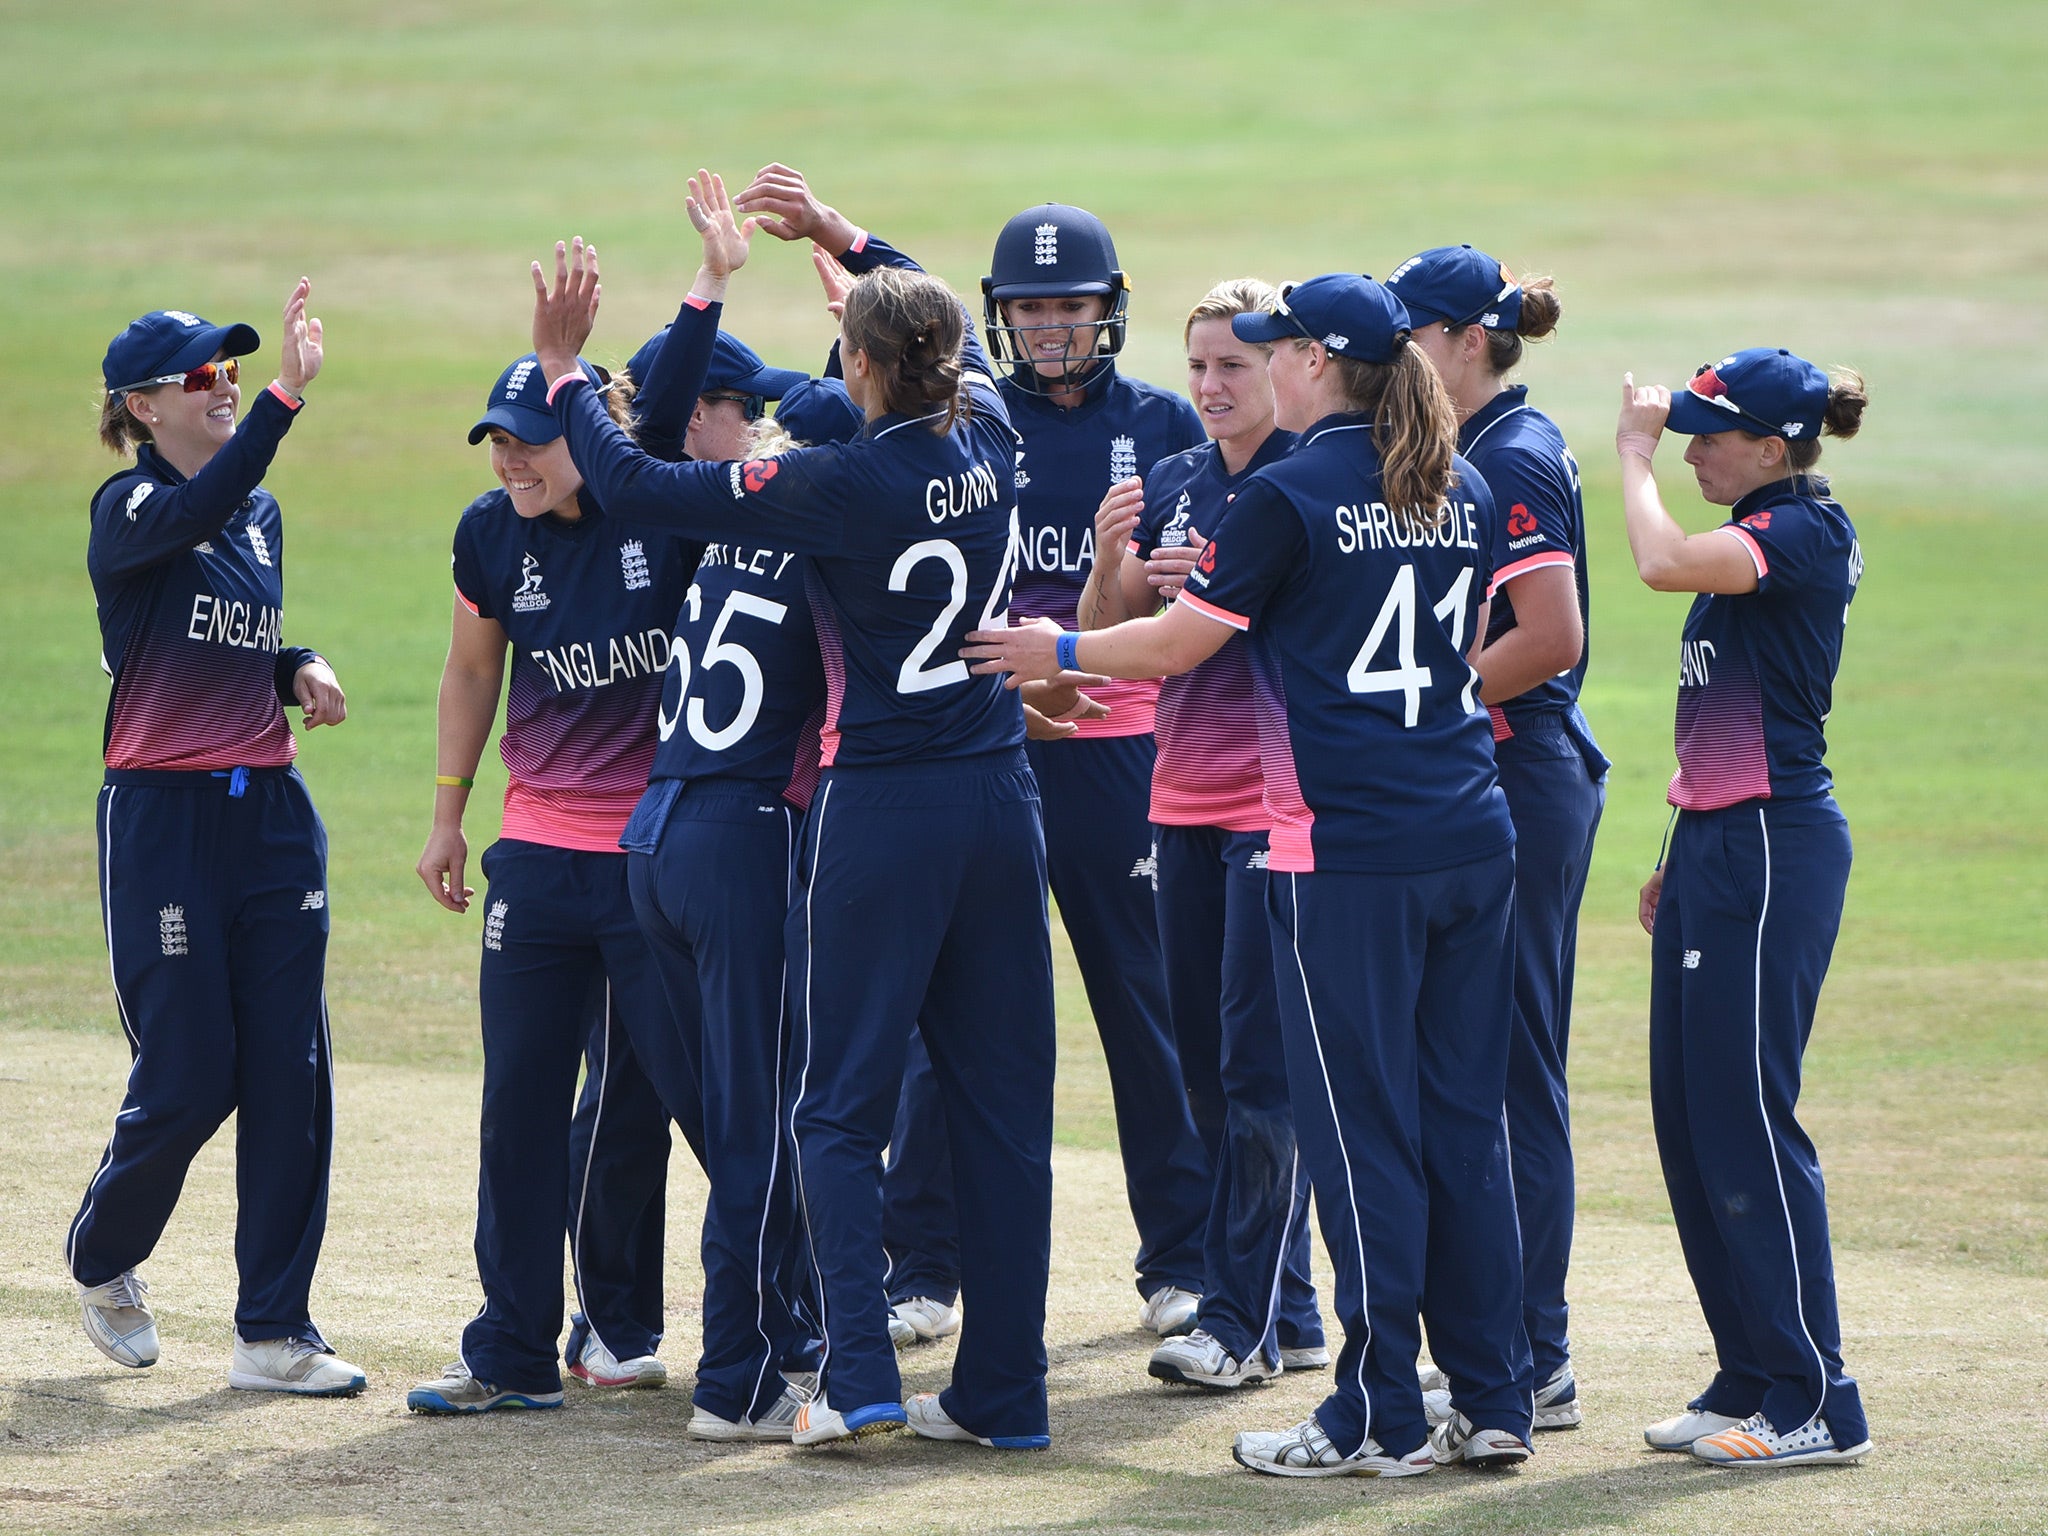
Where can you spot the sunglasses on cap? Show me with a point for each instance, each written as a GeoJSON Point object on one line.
{"type": "Point", "coordinates": [1706, 383]}
{"type": "Point", "coordinates": [194, 380]}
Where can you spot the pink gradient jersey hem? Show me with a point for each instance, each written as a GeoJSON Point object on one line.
{"type": "Point", "coordinates": [586, 823]}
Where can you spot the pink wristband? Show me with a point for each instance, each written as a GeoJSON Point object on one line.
{"type": "Point", "coordinates": [1642, 444]}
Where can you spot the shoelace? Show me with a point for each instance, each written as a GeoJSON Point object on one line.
{"type": "Point", "coordinates": [127, 1289]}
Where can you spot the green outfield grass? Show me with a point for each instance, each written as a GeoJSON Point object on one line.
{"type": "Point", "coordinates": [1862, 183]}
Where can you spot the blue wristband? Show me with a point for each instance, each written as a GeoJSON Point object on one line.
{"type": "Point", "coordinates": [1068, 651]}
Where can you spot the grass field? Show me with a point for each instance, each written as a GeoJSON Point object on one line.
{"type": "Point", "coordinates": [1862, 183]}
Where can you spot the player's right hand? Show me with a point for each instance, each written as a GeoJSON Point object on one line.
{"type": "Point", "coordinates": [440, 868]}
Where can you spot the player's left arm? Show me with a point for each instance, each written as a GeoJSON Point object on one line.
{"type": "Point", "coordinates": [1534, 563]}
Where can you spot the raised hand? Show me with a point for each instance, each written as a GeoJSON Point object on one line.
{"type": "Point", "coordinates": [563, 317]}
{"type": "Point", "coordinates": [1644, 410]}
{"type": "Point", "coordinates": [789, 211]}
{"type": "Point", "coordinates": [302, 353]}
{"type": "Point", "coordinates": [835, 279]}
{"type": "Point", "coordinates": [725, 239]}
{"type": "Point", "coordinates": [1115, 518]}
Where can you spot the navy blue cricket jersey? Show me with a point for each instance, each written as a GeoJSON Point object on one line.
{"type": "Point", "coordinates": [189, 580]}
{"type": "Point", "coordinates": [1757, 670]}
{"type": "Point", "coordinates": [1066, 461]}
{"type": "Point", "coordinates": [1208, 772]}
{"type": "Point", "coordinates": [914, 534]}
{"type": "Point", "coordinates": [1377, 753]}
{"type": "Point", "coordinates": [745, 693]}
{"type": "Point", "coordinates": [1540, 522]}
{"type": "Point", "coordinates": [587, 606]}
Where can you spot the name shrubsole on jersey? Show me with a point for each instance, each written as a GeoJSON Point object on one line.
{"type": "Point", "coordinates": [229, 621]}
{"type": "Point", "coordinates": [1371, 527]}
{"type": "Point", "coordinates": [626, 657]}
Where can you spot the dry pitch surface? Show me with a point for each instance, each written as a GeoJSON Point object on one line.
{"type": "Point", "coordinates": [1951, 1359]}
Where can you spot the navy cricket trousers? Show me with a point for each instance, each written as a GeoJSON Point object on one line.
{"type": "Point", "coordinates": [1554, 780]}
{"type": "Point", "coordinates": [213, 892]}
{"type": "Point", "coordinates": [559, 940]}
{"type": "Point", "coordinates": [1256, 1292]}
{"type": "Point", "coordinates": [1746, 923]}
{"type": "Point", "coordinates": [922, 901]}
{"type": "Point", "coordinates": [713, 899]}
{"type": "Point", "coordinates": [618, 1195]}
{"type": "Point", "coordinates": [1098, 845]}
{"type": "Point", "coordinates": [1396, 995]}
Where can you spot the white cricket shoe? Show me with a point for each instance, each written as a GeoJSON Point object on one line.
{"type": "Point", "coordinates": [1436, 1394]}
{"type": "Point", "coordinates": [778, 1423]}
{"type": "Point", "coordinates": [1458, 1439]}
{"type": "Point", "coordinates": [1753, 1443]}
{"type": "Point", "coordinates": [1306, 1357]}
{"type": "Point", "coordinates": [1169, 1311]}
{"type": "Point", "coordinates": [455, 1390]}
{"type": "Point", "coordinates": [118, 1320]}
{"type": "Point", "coordinates": [293, 1365]}
{"type": "Point", "coordinates": [1557, 1401]}
{"type": "Point", "coordinates": [927, 1417]}
{"type": "Point", "coordinates": [817, 1421]}
{"type": "Point", "coordinates": [1198, 1359]}
{"type": "Point", "coordinates": [1678, 1434]}
{"type": "Point", "coordinates": [920, 1319]}
{"type": "Point", "coordinates": [596, 1366]}
{"type": "Point", "coordinates": [1305, 1451]}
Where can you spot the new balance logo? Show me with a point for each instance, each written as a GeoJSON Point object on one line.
{"type": "Point", "coordinates": [204, 547]}
{"type": "Point", "coordinates": [258, 546]}
{"type": "Point", "coordinates": [1045, 248]}
{"type": "Point", "coordinates": [494, 925]}
{"type": "Point", "coordinates": [170, 927]}
{"type": "Point", "coordinates": [1257, 860]}
{"type": "Point", "coordinates": [1147, 868]}
{"type": "Point", "coordinates": [136, 498]}
{"type": "Point", "coordinates": [315, 901]}
{"type": "Point", "coordinates": [1692, 960]}
{"type": "Point", "coordinates": [633, 564]}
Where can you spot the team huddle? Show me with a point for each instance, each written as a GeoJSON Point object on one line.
{"type": "Point", "coordinates": [1272, 688]}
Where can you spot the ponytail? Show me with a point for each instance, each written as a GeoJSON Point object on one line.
{"type": "Point", "coordinates": [1843, 417]}
{"type": "Point", "coordinates": [1414, 427]}
{"type": "Point", "coordinates": [121, 431]}
{"type": "Point", "coordinates": [1541, 310]}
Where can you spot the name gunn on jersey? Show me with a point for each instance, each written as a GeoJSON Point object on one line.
{"type": "Point", "coordinates": [578, 665]}
{"type": "Point", "coordinates": [762, 562]}
{"type": "Point", "coordinates": [224, 621]}
{"type": "Point", "coordinates": [1370, 527]}
{"type": "Point", "coordinates": [957, 495]}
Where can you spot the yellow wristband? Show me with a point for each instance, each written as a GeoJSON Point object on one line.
{"type": "Point", "coordinates": [454, 781]}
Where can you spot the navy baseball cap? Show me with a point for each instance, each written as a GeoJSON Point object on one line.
{"type": "Point", "coordinates": [168, 341]}
{"type": "Point", "coordinates": [1458, 286]}
{"type": "Point", "coordinates": [1762, 390]}
{"type": "Point", "coordinates": [519, 402]}
{"type": "Point", "coordinates": [820, 411]}
{"type": "Point", "coordinates": [1350, 314]}
{"type": "Point", "coordinates": [736, 368]}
